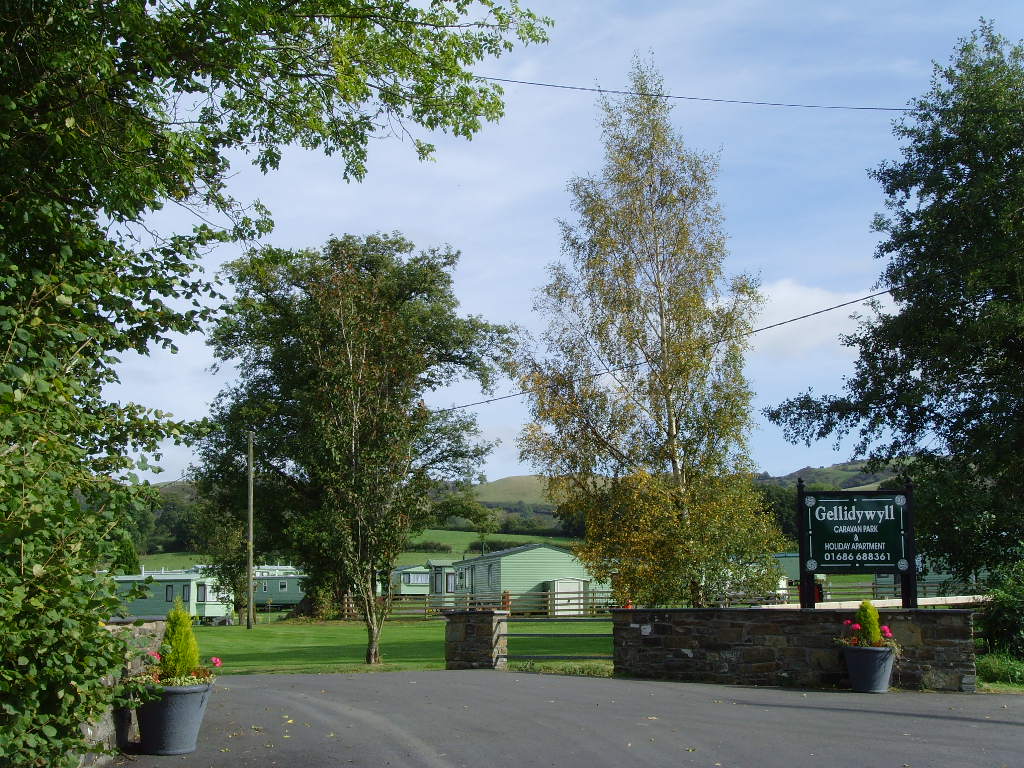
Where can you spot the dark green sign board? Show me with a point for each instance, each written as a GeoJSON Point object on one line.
{"type": "Point", "coordinates": [856, 532]}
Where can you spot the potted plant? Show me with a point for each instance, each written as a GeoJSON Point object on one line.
{"type": "Point", "coordinates": [869, 649]}
{"type": "Point", "coordinates": [174, 689]}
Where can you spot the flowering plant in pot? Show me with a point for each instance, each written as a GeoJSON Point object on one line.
{"type": "Point", "coordinates": [174, 688]}
{"type": "Point", "coordinates": [869, 649]}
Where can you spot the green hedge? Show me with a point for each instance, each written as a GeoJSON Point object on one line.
{"type": "Point", "coordinates": [428, 546]}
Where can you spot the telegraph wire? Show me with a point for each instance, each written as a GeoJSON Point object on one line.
{"type": "Point", "coordinates": [694, 98]}
{"type": "Point", "coordinates": [822, 311]}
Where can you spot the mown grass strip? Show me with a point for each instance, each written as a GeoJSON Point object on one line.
{"type": "Point", "coordinates": [339, 646]}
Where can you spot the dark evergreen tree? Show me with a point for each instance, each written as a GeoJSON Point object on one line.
{"type": "Point", "coordinates": [938, 387]}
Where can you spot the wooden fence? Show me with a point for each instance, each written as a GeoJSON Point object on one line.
{"type": "Point", "coordinates": [590, 603]}
{"type": "Point", "coordinates": [870, 590]}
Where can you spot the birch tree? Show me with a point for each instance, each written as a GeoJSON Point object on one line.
{"type": "Point", "coordinates": [640, 406]}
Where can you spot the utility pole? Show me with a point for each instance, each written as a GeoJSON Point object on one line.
{"type": "Point", "coordinates": [248, 559]}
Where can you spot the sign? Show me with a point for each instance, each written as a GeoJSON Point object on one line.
{"type": "Point", "coordinates": [856, 532]}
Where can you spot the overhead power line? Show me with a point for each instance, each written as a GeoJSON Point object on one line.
{"type": "Point", "coordinates": [822, 311]}
{"type": "Point", "coordinates": [694, 98]}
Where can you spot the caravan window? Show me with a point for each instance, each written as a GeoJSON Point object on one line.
{"type": "Point", "coordinates": [201, 593]}
{"type": "Point", "coordinates": [419, 578]}
{"type": "Point", "coordinates": [282, 586]}
{"type": "Point", "coordinates": [169, 593]}
{"type": "Point", "coordinates": [450, 582]}
{"type": "Point", "coordinates": [186, 592]}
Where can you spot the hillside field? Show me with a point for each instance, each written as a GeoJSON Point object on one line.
{"type": "Point", "coordinates": [508, 490]}
{"type": "Point", "coordinates": [459, 541]}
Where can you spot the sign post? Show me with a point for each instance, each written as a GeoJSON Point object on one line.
{"type": "Point", "coordinates": [856, 532]}
{"type": "Point", "coordinates": [806, 577]}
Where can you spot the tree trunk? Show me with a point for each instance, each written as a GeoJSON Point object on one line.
{"type": "Point", "coordinates": [372, 640]}
{"type": "Point", "coordinates": [374, 613]}
{"type": "Point", "coordinates": [696, 594]}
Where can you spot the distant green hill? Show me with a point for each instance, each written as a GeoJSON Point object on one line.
{"type": "Point", "coordinates": [528, 489]}
{"type": "Point", "coordinates": [847, 475]}
{"type": "Point", "coordinates": [177, 490]}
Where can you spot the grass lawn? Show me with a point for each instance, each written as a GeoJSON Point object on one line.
{"type": "Point", "coordinates": [339, 646]}
{"type": "Point", "coordinates": [848, 579]}
{"type": "Point", "coordinates": [332, 646]}
{"type": "Point", "coordinates": [172, 561]}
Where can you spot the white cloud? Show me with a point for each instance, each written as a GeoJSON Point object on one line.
{"type": "Point", "coordinates": [818, 335]}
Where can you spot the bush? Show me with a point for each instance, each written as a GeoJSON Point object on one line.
{"type": "Point", "coordinates": [1001, 668]}
{"type": "Point", "coordinates": [126, 558]}
{"type": "Point", "coordinates": [57, 658]}
{"type": "Point", "coordinates": [1001, 618]}
{"type": "Point", "coordinates": [429, 546]}
{"type": "Point", "coordinates": [513, 526]}
{"type": "Point", "coordinates": [870, 631]}
{"type": "Point", "coordinates": [179, 649]}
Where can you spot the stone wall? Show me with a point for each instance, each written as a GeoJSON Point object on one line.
{"type": "Point", "coordinates": [475, 640]}
{"type": "Point", "coordinates": [118, 728]}
{"type": "Point", "coordinates": [751, 646]}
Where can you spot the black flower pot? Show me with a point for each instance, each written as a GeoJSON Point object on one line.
{"type": "Point", "coordinates": [169, 725]}
{"type": "Point", "coordinates": [870, 668]}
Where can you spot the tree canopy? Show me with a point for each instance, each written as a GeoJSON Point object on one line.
{"type": "Point", "coordinates": [639, 403]}
{"type": "Point", "coordinates": [108, 112]}
{"type": "Point", "coordinates": [937, 386]}
{"type": "Point", "coordinates": [335, 350]}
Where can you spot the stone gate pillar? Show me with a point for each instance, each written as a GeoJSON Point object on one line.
{"type": "Point", "coordinates": [475, 639]}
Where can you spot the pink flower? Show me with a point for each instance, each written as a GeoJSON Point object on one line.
{"type": "Point", "coordinates": [154, 654]}
{"type": "Point", "coordinates": [885, 628]}
{"type": "Point", "coordinates": [848, 622]}
{"type": "Point", "coordinates": [855, 627]}
{"type": "Point", "coordinates": [215, 660]}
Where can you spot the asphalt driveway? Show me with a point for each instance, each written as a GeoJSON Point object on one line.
{"type": "Point", "coordinates": [442, 719]}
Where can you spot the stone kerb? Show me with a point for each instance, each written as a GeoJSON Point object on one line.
{"type": "Point", "coordinates": [750, 646]}
{"type": "Point", "coordinates": [475, 639]}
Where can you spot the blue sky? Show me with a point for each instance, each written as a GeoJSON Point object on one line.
{"type": "Point", "coordinates": [793, 185]}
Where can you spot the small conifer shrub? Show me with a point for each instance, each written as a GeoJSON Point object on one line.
{"type": "Point", "coordinates": [177, 663]}
{"type": "Point", "coordinates": [865, 630]}
{"type": "Point", "coordinates": [180, 651]}
{"type": "Point", "coordinates": [867, 617]}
